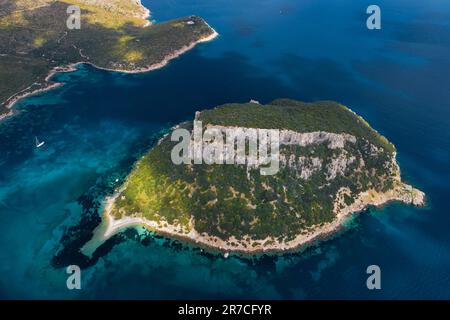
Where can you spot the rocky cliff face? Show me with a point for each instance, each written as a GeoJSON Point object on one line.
{"type": "Point", "coordinates": [332, 140]}
{"type": "Point", "coordinates": [304, 154]}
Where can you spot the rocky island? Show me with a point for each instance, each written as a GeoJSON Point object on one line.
{"type": "Point", "coordinates": [35, 41]}
{"type": "Point", "coordinates": [331, 164]}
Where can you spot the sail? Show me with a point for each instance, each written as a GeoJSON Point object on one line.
{"type": "Point", "coordinates": [38, 144]}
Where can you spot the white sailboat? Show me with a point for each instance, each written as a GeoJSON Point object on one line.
{"type": "Point", "coordinates": [39, 144]}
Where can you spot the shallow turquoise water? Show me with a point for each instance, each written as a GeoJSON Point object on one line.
{"type": "Point", "coordinates": [99, 123]}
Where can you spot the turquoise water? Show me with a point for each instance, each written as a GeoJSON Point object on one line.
{"type": "Point", "coordinates": [99, 123]}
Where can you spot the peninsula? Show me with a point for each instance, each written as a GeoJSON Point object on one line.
{"type": "Point", "coordinates": [35, 41]}
{"type": "Point", "coordinates": [332, 164]}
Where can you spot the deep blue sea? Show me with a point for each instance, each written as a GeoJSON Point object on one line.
{"type": "Point", "coordinates": [99, 123]}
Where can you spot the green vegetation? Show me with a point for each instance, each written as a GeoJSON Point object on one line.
{"type": "Point", "coordinates": [34, 39]}
{"type": "Point", "coordinates": [224, 201]}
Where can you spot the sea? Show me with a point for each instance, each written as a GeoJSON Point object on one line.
{"type": "Point", "coordinates": [100, 123]}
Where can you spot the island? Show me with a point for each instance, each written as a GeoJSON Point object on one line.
{"type": "Point", "coordinates": [36, 42]}
{"type": "Point", "coordinates": [331, 164]}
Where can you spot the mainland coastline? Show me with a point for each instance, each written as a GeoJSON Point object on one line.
{"type": "Point", "coordinates": [49, 85]}
{"type": "Point", "coordinates": [143, 14]}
